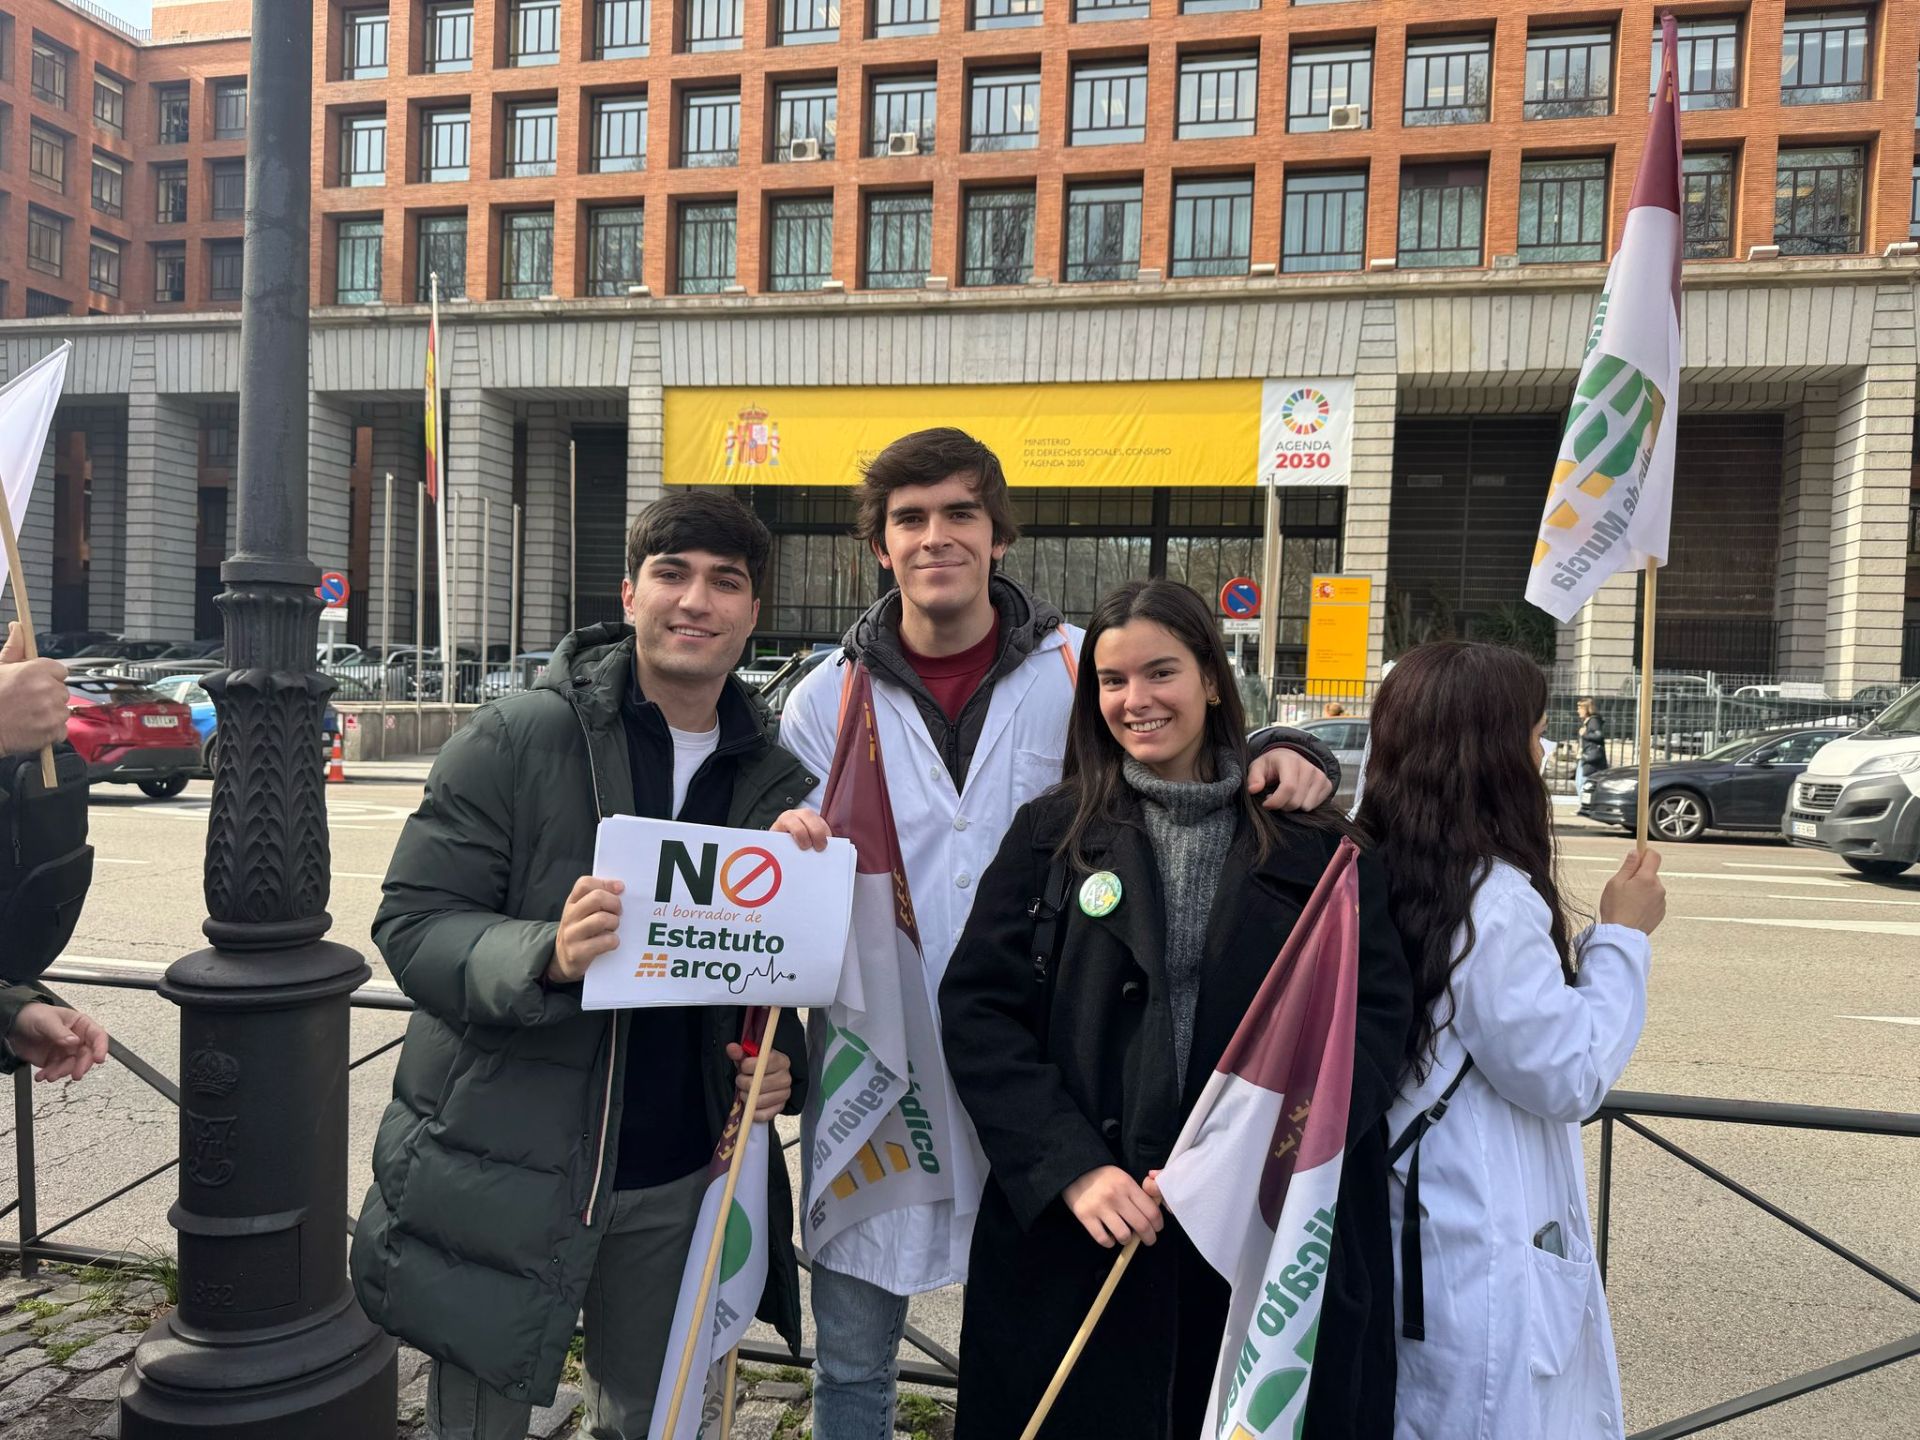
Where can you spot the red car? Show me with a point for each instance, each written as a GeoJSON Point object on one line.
{"type": "Point", "coordinates": [126, 733]}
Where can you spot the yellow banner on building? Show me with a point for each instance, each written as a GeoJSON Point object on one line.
{"type": "Point", "coordinates": [1152, 432]}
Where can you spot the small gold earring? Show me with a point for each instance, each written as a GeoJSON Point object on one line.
{"type": "Point", "coordinates": [1213, 700]}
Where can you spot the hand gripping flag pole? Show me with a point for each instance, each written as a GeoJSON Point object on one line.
{"type": "Point", "coordinates": [714, 1246]}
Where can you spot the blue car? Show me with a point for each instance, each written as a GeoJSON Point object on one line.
{"type": "Point", "coordinates": [187, 690]}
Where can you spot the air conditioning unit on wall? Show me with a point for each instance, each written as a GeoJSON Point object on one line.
{"type": "Point", "coordinates": [805, 149]}
{"type": "Point", "coordinates": [903, 142]}
{"type": "Point", "coordinates": [1346, 117]}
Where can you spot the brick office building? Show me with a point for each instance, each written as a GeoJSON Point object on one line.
{"type": "Point", "coordinates": [1419, 197]}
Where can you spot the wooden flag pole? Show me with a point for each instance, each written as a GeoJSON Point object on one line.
{"type": "Point", "coordinates": [23, 609]}
{"type": "Point", "coordinates": [1643, 740]}
{"type": "Point", "coordinates": [694, 1324]}
{"type": "Point", "coordinates": [1072, 1356]}
{"type": "Point", "coordinates": [726, 1403]}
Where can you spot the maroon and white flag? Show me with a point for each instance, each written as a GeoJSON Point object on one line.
{"type": "Point", "coordinates": [1255, 1175]}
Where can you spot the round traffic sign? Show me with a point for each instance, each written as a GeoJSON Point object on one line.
{"type": "Point", "coordinates": [1240, 598]}
{"type": "Point", "coordinates": [332, 588]}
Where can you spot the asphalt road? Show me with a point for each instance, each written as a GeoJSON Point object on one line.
{"type": "Point", "coordinates": [1779, 976]}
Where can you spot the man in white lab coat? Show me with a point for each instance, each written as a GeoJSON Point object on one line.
{"type": "Point", "coordinates": [973, 681]}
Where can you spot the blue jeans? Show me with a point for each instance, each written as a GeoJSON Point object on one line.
{"type": "Point", "coordinates": [857, 1344]}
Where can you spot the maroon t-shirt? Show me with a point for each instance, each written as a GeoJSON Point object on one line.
{"type": "Point", "coordinates": [952, 679]}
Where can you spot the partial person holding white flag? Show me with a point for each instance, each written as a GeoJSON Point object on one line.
{"type": "Point", "coordinates": [1117, 975]}
{"type": "Point", "coordinates": [1611, 501]}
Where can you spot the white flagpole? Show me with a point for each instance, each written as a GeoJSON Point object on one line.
{"type": "Point", "coordinates": [419, 602]}
{"type": "Point", "coordinates": [573, 540]}
{"type": "Point", "coordinates": [486, 579]}
{"type": "Point", "coordinates": [386, 606]}
{"type": "Point", "coordinates": [513, 598]}
{"type": "Point", "coordinates": [449, 653]}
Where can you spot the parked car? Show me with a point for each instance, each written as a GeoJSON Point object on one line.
{"type": "Point", "coordinates": [520, 673]}
{"type": "Point", "coordinates": [341, 654]}
{"type": "Point", "coordinates": [187, 690]}
{"type": "Point", "coordinates": [65, 644]}
{"type": "Point", "coordinates": [1742, 785]}
{"type": "Point", "coordinates": [1346, 737]}
{"type": "Point", "coordinates": [1860, 798]}
{"type": "Point", "coordinates": [128, 733]}
{"type": "Point", "coordinates": [107, 655]}
{"type": "Point", "coordinates": [777, 687]}
{"type": "Point", "coordinates": [212, 647]}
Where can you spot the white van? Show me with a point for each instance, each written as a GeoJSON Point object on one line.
{"type": "Point", "coordinates": [1860, 796]}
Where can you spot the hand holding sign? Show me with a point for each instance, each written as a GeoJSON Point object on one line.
{"type": "Point", "coordinates": [707, 916]}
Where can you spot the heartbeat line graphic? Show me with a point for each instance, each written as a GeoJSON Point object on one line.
{"type": "Point", "coordinates": [769, 971]}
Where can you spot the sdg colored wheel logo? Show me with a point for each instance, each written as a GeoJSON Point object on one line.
{"type": "Point", "coordinates": [1305, 412]}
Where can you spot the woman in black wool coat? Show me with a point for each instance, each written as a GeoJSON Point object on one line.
{"type": "Point", "coordinates": [1078, 1060]}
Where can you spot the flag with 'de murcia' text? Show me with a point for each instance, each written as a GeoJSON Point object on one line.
{"type": "Point", "coordinates": [1611, 501]}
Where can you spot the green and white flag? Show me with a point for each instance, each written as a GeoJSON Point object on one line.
{"type": "Point", "coordinates": [1611, 502]}
{"type": "Point", "coordinates": [738, 1282]}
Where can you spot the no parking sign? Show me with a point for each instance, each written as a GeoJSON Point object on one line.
{"type": "Point", "coordinates": [1240, 599]}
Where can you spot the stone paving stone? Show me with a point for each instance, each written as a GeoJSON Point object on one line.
{"type": "Point", "coordinates": [90, 1327]}
{"type": "Point", "coordinates": [14, 1289]}
{"type": "Point", "coordinates": [104, 1386]}
{"type": "Point", "coordinates": [29, 1390]}
{"type": "Point", "coordinates": [409, 1363]}
{"type": "Point", "coordinates": [109, 1426]}
{"type": "Point", "coordinates": [68, 1294]}
{"type": "Point", "coordinates": [19, 1363]}
{"type": "Point", "coordinates": [757, 1420]}
{"type": "Point", "coordinates": [46, 1424]}
{"type": "Point", "coordinates": [18, 1340]}
{"type": "Point", "coordinates": [142, 1296]}
{"type": "Point", "coordinates": [413, 1399]}
{"type": "Point", "coordinates": [786, 1392]}
{"type": "Point", "coordinates": [16, 1320]}
{"type": "Point", "coordinates": [550, 1418]}
{"type": "Point", "coordinates": [104, 1351]}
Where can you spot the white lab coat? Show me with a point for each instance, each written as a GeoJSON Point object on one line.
{"type": "Point", "coordinates": [947, 840]}
{"type": "Point", "coordinates": [1518, 1343]}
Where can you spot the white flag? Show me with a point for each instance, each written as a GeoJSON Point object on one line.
{"type": "Point", "coordinates": [1611, 501]}
{"type": "Point", "coordinates": [26, 415]}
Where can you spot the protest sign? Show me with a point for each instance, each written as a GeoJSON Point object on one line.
{"type": "Point", "coordinates": [713, 916]}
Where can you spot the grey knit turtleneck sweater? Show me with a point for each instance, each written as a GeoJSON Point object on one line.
{"type": "Point", "coordinates": [1191, 827]}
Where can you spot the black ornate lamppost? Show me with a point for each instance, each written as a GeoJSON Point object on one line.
{"type": "Point", "coordinates": [268, 1342]}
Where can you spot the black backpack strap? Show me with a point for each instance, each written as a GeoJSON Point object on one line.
{"type": "Point", "coordinates": [1049, 912]}
{"type": "Point", "coordinates": [1413, 1306]}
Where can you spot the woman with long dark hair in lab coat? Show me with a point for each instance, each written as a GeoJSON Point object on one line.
{"type": "Point", "coordinates": [1521, 1029]}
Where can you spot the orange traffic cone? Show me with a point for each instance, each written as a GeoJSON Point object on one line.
{"type": "Point", "coordinates": [336, 769]}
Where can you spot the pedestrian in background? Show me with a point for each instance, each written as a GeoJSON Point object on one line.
{"type": "Point", "coordinates": [1154, 893]}
{"type": "Point", "coordinates": [1520, 1032]}
{"type": "Point", "coordinates": [1593, 745]}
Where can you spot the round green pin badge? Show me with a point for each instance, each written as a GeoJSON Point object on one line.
{"type": "Point", "coordinates": [1100, 893]}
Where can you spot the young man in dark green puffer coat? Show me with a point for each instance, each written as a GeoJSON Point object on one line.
{"type": "Point", "coordinates": [538, 1159]}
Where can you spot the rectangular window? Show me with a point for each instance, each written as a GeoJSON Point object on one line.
{"type": "Point", "coordinates": [715, 24]}
{"type": "Point", "coordinates": [800, 254]}
{"type": "Point", "coordinates": [169, 274]}
{"type": "Point", "coordinates": [363, 150]}
{"type": "Point", "coordinates": [1442, 211]}
{"type": "Point", "coordinates": [1569, 74]}
{"type": "Point", "coordinates": [805, 112]}
{"type": "Point", "coordinates": [1218, 95]}
{"type": "Point", "coordinates": [1212, 227]}
{"type": "Point", "coordinates": [706, 249]}
{"type": "Point", "coordinates": [50, 65]}
{"type": "Point", "coordinates": [809, 22]}
{"type": "Point", "coordinates": [109, 185]}
{"type": "Point", "coordinates": [1449, 81]}
{"type": "Point", "coordinates": [899, 241]}
{"type": "Point", "coordinates": [1103, 233]}
{"type": "Point", "coordinates": [443, 252]}
{"type": "Point", "coordinates": [357, 263]}
{"type": "Point", "coordinates": [175, 124]}
{"type": "Point", "coordinates": [1004, 110]}
{"type": "Point", "coordinates": [1109, 105]}
{"type": "Point", "coordinates": [446, 137]}
{"type": "Point", "coordinates": [903, 105]}
{"type": "Point", "coordinates": [615, 248]}
{"type": "Point", "coordinates": [533, 32]}
{"type": "Point", "coordinates": [1563, 211]}
{"type": "Point", "coordinates": [47, 157]}
{"type": "Point", "coordinates": [229, 189]}
{"type": "Point", "coordinates": [1707, 59]}
{"type": "Point", "coordinates": [620, 29]}
{"type": "Point", "coordinates": [6, 68]}
{"type": "Point", "coordinates": [526, 255]}
{"type": "Point", "coordinates": [40, 306]}
{"type": "Point", "coordinates": [999, 237]}
{"type": "Point", "coordinates": [905, 17]}
{"type": "Point", "coordinates": [447, 45]}
{"type": "Point", "coordinates": [1086, 10]}
{"type": "Point", "coordinates": [1819, 201]}
{"type": "Point", "coordinates": [533, 139]}
{"type": "Point", "coordinates": [1321, 77]}
{"type": "Point", "coordinates": [1826, 57]}
{"type": "Point", "coordinates": [1913, 222]}
{"type": "Point", "coordinates": [1324, 223]}
{"type": "Point", "coordinates": [364, 33]}
{"type": "Point", "coordinates": [1215, 7]}
{"type": "Point", "coordinates": [46, 240]}
{"type": "Point", "coordinates": [170, 192]}
{"type": "Point", "coordinates": [103, 266]}
{"type": "Point", "coordinates": [230, 110]}
{"type": "Point", "coordinates": [1006, 14]}
{"type": "Point", "coordinates": [109, 103]}
{"type": "Point", "coordinates": [619, 134]}
{"type": "Point", "coordinates": [709, 128]}
{"type": "Point", "coordinates": [226, 269]}
{"type": "Point", "coordinates": [1706, 204]}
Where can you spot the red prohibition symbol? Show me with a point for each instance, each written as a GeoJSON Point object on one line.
{"type": "Point", "coordinates": [750, 877]}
